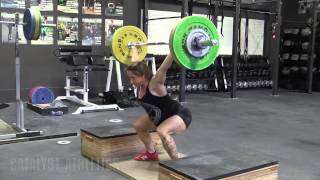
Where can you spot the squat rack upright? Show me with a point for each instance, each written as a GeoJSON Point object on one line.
{"type": "Point", "coordinates": [19, 125]}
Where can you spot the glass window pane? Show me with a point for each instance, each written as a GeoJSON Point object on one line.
{"type": "Point", "coordinates": [67, 31]}
{"type": "Point", "coordinates": [254, 32]}
{"type": "Point", "coordinates": [111, 25]}
{"type": "Point", "coordinates": [91, 32]}
{"type": "Point", "coordinates": [91, 7]}
{"type": "Point", "coordinates": [226, 38]}
{"type": "Point", "coordinates": [114, 8]}
{"type": "Point", "coordinates": [19, 4]}
{"type": "Point", "coordinates": [44, 5]}
{"type": "Point", "coordinates": [256, 36]}
{"type": "Point", "coordinates": [46, 34]}
{"type": "Point", "coordinates": [159, 30]}
{"type": "Point", "coordinates": [8, 30]}
{"type": "Point", "coordinates": [68, 6]}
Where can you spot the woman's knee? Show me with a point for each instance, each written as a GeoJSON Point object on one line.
{"type": "Point", "coordinates": [137, 125]}
{"type": "Point", "coordinates": [162, 132]}
{"type": "Point", "coordinates": [142, 125]}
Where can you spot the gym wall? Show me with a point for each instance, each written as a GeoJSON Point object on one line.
{"type": "Point", "coordinates": [40, 67]}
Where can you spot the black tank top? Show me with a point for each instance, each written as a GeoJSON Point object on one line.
{"type": "Point", "coordinates": [159, 108]}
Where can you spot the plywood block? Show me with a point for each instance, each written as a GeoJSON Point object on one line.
{"type": "Point", "coordinates": [222, 165]}
{"type": "Point", "coordinates": [113, 143]}
{"type": "Point", "coordinates": [140, 170]}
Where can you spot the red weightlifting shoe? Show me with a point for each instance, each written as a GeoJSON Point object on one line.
{"type": "Point", "coordinates": [146, 156]}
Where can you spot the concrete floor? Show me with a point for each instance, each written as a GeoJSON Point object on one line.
{"type": "Point", "coordinates": [285, 128]}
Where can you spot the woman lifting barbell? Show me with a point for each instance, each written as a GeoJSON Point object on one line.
{"type": "Point", "coordinates": [163, 114]}
{"type": "Point", "coordinates": [194, 44]}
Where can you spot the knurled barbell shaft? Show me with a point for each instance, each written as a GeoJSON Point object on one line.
{"type": "Point", "coordinates": [132, 44]}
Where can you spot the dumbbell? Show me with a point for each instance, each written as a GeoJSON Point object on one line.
{"type": "Point", "coordinates": [200, 87]}
{"type": "Point", "coordinates": [295, 57]}
{"type": "Point", "coordinates": [205, 87]}
{"type": "Point", "coordinates": [174, 88]}
{"type": "Point", "coordinates": [288, 43]}
{"type": "Point", "coordinates": [306, 31]}
{"type": "Point", "coordinates": [189, 87]}
{"type": "Point", "coordinates": [194, 87]}
{"type": "Point", "coordinates": [250, 84]}
{"type": "Point", "coordinates": [303, 69]}
{"type": "Point", "coordinates": [258, 83]}
{"type": "Point", "coordinates": [245, 84]}
{"type": "Point", "coordinates": [169, 88]}
{"type": "Point", "coordinates": [237, 84]}
{"type": "Point", "coordinates": [285, 71]}
{"type": "Point", "coordinates": [304, 57]}
{"type": "Point", "coordinates": [305, 45]}
{"type": "Point", "coordinates": [254, 84]}
{"type": "Point", "coordinates": [294, 69]}
{"type": "Point", "coordinates": [267, 83]}
{"type": "Point", "coordinates": [285, 56]}
{"type": "Point", "coordinates": [291, 31]}
{"type": "Point", "coordinates": [240, 84]}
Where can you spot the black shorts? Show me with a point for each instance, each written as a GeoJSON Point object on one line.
{"type": "Point", "coordinates": [185, 115]}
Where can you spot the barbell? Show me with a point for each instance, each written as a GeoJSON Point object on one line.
{"type": "Point", "coordinates": [193, 43]}
{"type": "Point", "coordinates": [32, 23]}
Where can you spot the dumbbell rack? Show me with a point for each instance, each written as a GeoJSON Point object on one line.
{"type": "Point", "coordinates": [253, 72]}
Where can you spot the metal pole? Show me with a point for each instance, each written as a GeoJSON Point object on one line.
{"type": "Point", "coordinates": [235, 48]}
{"type": "Point", "coordinates": [275, 42]}
{"type": "Point", "coordinates": [184, 13]}
{"type": "Point", "coordinates": [311, 50]}
{"type": "Point", "coordinates": [145, 18]}
{"type": "Point", "coordinates": [19, 103]}
{"type": "Point", "coordinates": [216, 13]}
{"type": "Point", "coordinates": [85, 84]}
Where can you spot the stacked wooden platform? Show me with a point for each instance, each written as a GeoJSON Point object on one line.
{"type": "Point", "coordinates": [114, 147]}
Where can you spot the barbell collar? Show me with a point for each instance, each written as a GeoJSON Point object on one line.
{"type": "Point", "coordinates": [206, 43]}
